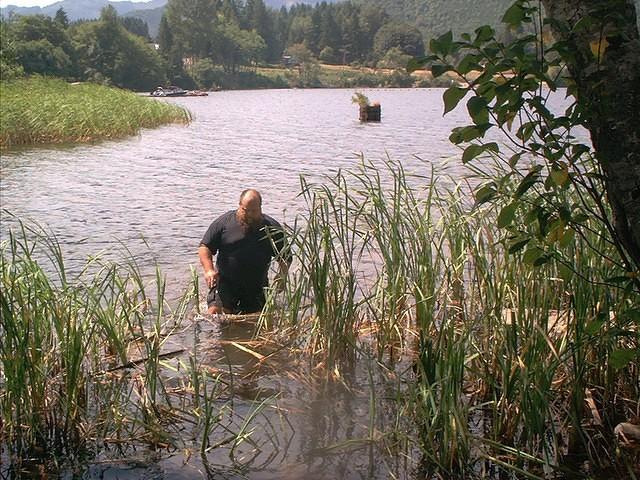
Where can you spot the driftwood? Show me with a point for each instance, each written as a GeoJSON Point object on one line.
{"type": "Point", "coordinates": [133, 363]}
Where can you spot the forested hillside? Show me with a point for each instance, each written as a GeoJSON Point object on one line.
{"type": "Point", "coordinates": [434, 17]}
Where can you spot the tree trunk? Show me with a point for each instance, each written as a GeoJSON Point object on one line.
{"type": "Point", "coordinates": [603, 57]}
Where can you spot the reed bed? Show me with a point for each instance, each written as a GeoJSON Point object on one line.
{"type": "Point", "coordinates": [44, 110]}
{"type": "Point", "coordinates": [86, 366]}
{"type": "Point", "coordinates": [512, 368]}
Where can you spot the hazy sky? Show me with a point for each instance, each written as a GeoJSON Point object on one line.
{"type": "Point", "coordinates": [35, 3]}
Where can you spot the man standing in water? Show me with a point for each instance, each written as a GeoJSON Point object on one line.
{"type": "Point", "coordinates": [245, 241]}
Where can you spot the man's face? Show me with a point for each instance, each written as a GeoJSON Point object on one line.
{"type": "Point", "coordinates": [250, 212]}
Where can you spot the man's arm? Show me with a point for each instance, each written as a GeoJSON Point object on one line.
{"type": "Point", "coordinates": [206, 260]}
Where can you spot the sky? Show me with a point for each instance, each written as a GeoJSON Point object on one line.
{"type": "Point", "coordinates": [35, 3]}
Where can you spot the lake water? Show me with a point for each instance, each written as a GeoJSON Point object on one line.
{"type": "Point", "coordinates": [166, 185]}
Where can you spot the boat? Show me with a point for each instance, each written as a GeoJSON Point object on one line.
{"type": "Point", "coordinates": [171, 91]}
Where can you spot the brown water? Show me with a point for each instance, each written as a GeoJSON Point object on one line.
{"type": "Point", "coordinates": [157, 193]}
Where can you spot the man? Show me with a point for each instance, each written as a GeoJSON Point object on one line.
{"type": "Point", "coordinates": [245, 240]}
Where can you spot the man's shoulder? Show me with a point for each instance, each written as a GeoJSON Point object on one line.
{"type": "Point", "coordinates": [226, 218]}
{"type": "Point", "coordinates": [270, 221]}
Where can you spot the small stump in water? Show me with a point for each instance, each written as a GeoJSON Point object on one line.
{"type": "Point", "coordinates": [370, 113]}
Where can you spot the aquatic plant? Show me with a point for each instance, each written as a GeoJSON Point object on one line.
{"type": "Point", "coordinates": [44, 110]}
{"type": "Point", "coordinates": [85, 363]}
{"type": "Point", "coordinates": [360, 99]}
{"type": "Point", "coordinates": [503, 353]}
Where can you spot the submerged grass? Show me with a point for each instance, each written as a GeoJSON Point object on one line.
{"type": "Point", "coordinates": [44, 110]}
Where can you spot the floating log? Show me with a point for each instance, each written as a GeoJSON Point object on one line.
{"type": "Point", "coordinates": [370, 113]}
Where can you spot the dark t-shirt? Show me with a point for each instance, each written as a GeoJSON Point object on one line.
{"type": "Point", "coordinates": [243, 255]}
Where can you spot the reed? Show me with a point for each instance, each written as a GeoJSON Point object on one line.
{"type": "Point", "coordinates": [503, 353]}
{"type": "Point", "coordinates": [43, 110]}
{"type": "Point", "coordinates": [84, 358]}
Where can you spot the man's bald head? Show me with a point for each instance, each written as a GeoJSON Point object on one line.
{"type": "Point", "coordinates": [252, 195]}
{"type": "Point", "coordinates": [250, 208]}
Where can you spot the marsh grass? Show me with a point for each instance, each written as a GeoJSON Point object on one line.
{"type": "Point", "coordinates": [502, 352]}
{"type": "Point", "coordinates": [43, 110]}
{"type": "Point", "coordinates": [85, 361]}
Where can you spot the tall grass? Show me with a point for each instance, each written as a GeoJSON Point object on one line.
{"type": "Point", "coordinates": [503, 353]}
{"type": "Point", "coordinates": [43, 110]}
{"type": "Point", "coordinates": [84, 361]}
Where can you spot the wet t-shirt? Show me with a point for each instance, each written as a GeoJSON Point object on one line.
{"type": "Point", "coordinates": [244, 254]}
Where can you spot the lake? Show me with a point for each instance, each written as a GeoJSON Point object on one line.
{"type": "Point", "coordinates": [156, 194]}
{"type": "Point", "coordinates": [166, 185]}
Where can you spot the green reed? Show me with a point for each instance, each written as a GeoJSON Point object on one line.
{"type": "Point", "coordinates": [42, 110]}
{"type": "Point", "coordinates": [84, 357]}
{"type": "Point", "coordinates": [503, 353]}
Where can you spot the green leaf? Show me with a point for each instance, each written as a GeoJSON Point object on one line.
{"type": "Point", "coordinates": [514, 15]}
{"type": "Point", "coordinates": [438, 69]}
{"type": "Point", "coordinates": [518, 244]}
{"type": "Point", "coordinates": [620, 357]}
{"type": "Point", "coordinates": [579, 218]}
{"type": "Point", "coordinates": [527, 182]}
{"type": "Point", "coordinates": [485, 194]}
{"type": "Point", "coordinates": [593, 327]}
{"type": "Point", "coordinates": [442, 45]}
{"type": "Point", "coordinates": [417, 63]}
{"type": "Point", "coordinates": [468, 63]}
{"type": "Point", "coordinates": [478, 109]}
{"type": "Point", "coordinates": [513, 161]}
{"type": "Point", "coordinates": [532, 254]}
{"type": "Point", "coordinates": [483, 35]}
{"type": "Point", "coordinates": [471, 152]}
{"type": "Point", "coordinates": [507, 214]}
{"type": "Point", "coordinates": [541, 260]}
{"type": "Point", "coordinates": [452, 97]}
{"type": "Point", "coordinates": [567, 238]}
{"type": "Point", "coordinates": [560, 176]}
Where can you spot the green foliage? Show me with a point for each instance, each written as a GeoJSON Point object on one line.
{"type": "Point", "coordinates": [136, 26]}
{"type": "Point", "coordinates": [435, 17]}
{"type": "Point", "coordinates": [361, 99]}
{"type": "Point", "coordinates": [235, 48]}
{"type": "Point", "coordinates": [398, 35]}
{"type": "Point", "coordinates": [394, 58]}
{"type": "Point", "coordinates": [108, 51]}
{"type": "Point", "coordinates": [40, 56]}
{"type": "Point", "coordinates": [506, 88]}
{"type": "Point", "coordinates": [491, 339]}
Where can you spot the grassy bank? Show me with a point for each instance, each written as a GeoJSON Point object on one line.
{"type": "Point", "coordinates": [40, 111]}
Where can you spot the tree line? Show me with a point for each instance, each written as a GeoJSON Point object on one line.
{"type": "Point", "coordinates": [200, 40]}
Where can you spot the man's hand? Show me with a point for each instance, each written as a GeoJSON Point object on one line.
{"type": "Point", "coordinates": [211, 276]}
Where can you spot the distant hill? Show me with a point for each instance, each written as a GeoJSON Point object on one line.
{"type": "Point", "coordinates": [88, 9]}
{"type": "Point", "coordinates": [432, 17]}
{"type": "Point", "coordinates": [82, 9]}
{"type": "Point", "coordinates": [435, 17]}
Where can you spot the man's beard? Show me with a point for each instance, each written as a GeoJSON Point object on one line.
{"type": "Point", "coordinates": [251, 225]}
